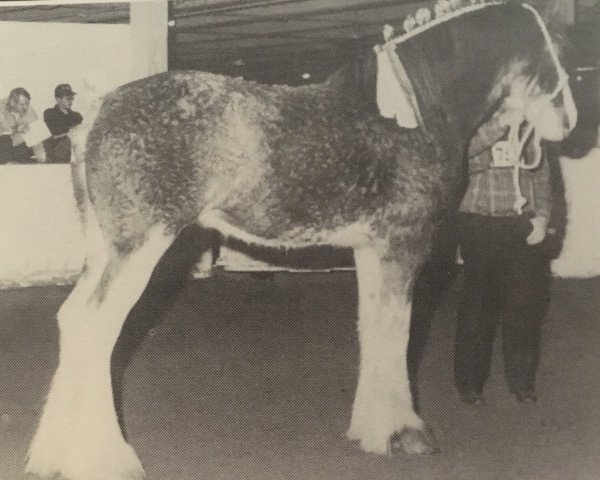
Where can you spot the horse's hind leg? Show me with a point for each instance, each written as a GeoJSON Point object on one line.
{"type": "Point", "coordinates": [78, 435]}
{"type": "Point", "coordinates": [383, 416]}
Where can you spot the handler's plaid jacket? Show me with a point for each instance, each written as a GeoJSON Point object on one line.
{"type": "Point", "coordinates": [491, 190]}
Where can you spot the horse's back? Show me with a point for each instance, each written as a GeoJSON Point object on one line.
{"type": "Point", "coordinates": [163, 147]}
{"type": "Point", "coordinates": [272, 159]}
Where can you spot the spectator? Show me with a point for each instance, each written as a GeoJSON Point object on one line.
{"type": "Point", "coordinates": [60, 119]}
{"type": "Point", "coordinates": [16, 116]}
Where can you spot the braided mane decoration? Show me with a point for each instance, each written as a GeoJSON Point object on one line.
{"type": "Point", "coordinates": [395, 94]}
{"type": "Point", "coordinates": [444, 10]}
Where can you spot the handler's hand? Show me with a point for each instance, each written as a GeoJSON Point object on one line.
{"type": "Point", "coordinates": [539, 231]}
{"type": "Point", "coordinates": [21, 128]}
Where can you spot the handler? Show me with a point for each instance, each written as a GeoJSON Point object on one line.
{"type": "Point", "coordinates": [502, 225]}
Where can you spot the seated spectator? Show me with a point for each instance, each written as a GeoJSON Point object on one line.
{"type": "Point", "coordinates": [60, 119]}
{"type": "Point", "coordinates": [16, 116]}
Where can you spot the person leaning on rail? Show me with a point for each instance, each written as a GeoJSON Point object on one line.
{"type": "Point", "coordinates": [16, 117]}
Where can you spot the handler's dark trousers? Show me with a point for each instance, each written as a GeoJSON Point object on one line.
{"type": "Point", "coordinates": [506, 282]}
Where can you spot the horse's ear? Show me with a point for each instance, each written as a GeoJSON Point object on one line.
{"type": "Point", "coordinates": [395, 95]}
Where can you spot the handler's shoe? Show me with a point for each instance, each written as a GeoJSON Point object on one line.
{"type": "Point", "coordinates": [472, 398]}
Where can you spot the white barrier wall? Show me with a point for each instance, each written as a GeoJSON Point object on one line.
{"type": "Point", "coordinates": [41, 240]}
{"type": "Point", "coordinates": [580, 256]}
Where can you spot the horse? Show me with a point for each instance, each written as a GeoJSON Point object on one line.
{"type": "Point", "coordinates": [348, 162]}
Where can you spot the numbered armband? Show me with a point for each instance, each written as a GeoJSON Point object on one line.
{"type": "Point", "coordinates": [502, 155]}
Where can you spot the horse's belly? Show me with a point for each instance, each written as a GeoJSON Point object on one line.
{"type": "Point", "coordinates": [340, 233]}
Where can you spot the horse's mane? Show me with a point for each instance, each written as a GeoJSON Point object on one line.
{"type": "Point", "coordinates": [456, 62]}
{"type": "Point", "coordinates": [452, 61]}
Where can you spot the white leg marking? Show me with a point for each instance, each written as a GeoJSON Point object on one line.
{"type": "Point", "coordinates": [78, 435]}
{"type": "Point", "coordinates": [383, 404]}
{"type": "Point", "coordinates": [203, 268]}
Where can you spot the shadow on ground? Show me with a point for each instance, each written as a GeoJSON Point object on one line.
{"type": "Point", "coordinates": [253, 379]}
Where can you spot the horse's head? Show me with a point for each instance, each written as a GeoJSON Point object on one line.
{"type": "Point", "coordinates": [535, 87]}
{"type": "Point", "coordinates": [479, 58]}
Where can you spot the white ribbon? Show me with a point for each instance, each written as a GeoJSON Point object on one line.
{"type": "Point", "coordinates": [395, 98]}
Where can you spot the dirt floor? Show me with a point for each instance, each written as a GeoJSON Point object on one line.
{"type": "Point", "coordinates": [246, 378]}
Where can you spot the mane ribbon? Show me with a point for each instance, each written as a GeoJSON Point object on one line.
{"type": "Point", "coordinates": [395, 95]}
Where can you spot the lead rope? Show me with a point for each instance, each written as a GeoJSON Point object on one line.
{"type": "Point", "coordinates": [517, 143]}
{"type": "Point", "coordinates": [516, 146]}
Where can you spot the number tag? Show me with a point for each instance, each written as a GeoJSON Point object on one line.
{"type": "Point", "coordinates": [502, 155]}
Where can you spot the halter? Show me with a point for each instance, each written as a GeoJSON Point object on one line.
{"type": "Point", "coordinates": [517, 144]}
{"type": "Point", "coordinates": [396, 98]}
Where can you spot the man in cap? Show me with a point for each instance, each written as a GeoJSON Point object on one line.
{"type": "Point", "coordinates": [60, 119]}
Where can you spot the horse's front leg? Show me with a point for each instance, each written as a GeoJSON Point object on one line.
{"type": "Point", "coordinates": [383, 417]}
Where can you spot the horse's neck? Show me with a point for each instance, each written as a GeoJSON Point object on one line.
{"type": "Point", "coordinates": [356, 82]}
{"type": "Point", "coordinates": [453, 93]}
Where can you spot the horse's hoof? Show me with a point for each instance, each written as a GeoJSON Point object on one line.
{"type": "Point", "coordinates": [414, 441]}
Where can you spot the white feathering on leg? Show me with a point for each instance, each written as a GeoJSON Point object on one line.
{"type": "Point", "coordinates": [383, 403]}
